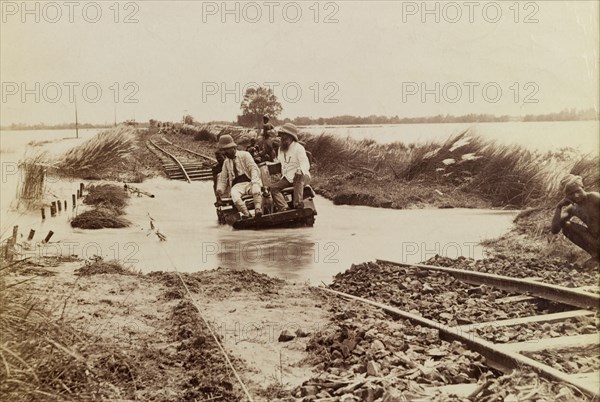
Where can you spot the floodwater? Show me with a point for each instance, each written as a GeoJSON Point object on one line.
{"type": "Point", "coordinates": [541, 136]}
{"type": "Point", "coordinates": [185, 214]}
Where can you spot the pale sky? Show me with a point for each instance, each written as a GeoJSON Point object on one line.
{"type": "Point", "coordinates": [372, 57]}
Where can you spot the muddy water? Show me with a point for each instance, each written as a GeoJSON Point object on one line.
{"type": "Point", "coordinates": [185, 214]}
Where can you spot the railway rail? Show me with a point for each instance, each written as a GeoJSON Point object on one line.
{"type": "Point", "coordinates": [181, 163]}
{"type": "Point", "coordinates": [509, 356]}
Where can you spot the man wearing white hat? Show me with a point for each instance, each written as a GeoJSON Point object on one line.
{"type": "Point", "coordinates": [295, 168]}
{"type": "Point", "coordinates": [241, 174]}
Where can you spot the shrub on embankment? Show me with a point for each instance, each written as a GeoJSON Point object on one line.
{"type": "Point", "coordinates": [502, 175]}
{"type": "Point", "coordinates": [119, 154]}
{"type": "Point", "coordinates": [107, 150]}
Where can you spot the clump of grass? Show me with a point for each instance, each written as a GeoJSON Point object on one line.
{"type": "Point", "coordinates": [109, 201]}
{"type": "Point", "coordinates": [199, 133]}
{"type": "Point", "coordinates": [205, 135]}
{"type": "Point", "coordinates": [106, 195]}
{"type": "Point", "coordinates": [33, 179]}
{"type": "Point", "coordinates": [97, 266]}
{"type": "Point", "coordinates": [333, 152]}
{"type": "Point", "coordinates": [44, 358]}
{"type": "Point", "coordinates": [105, 151]}
{"type": "Point", "coordinates": [99, 218]}
{"type": "Point", "coordinates": [504, 175]}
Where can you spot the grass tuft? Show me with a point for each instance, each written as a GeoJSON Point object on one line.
{"type": "Point", "coordinates": [108, 201]}
{"type": "Point", "coordinates": [31, 186]}
{"type": "Point", "coordinates": [503, 175]}
{"type": "Point", "coordinates": [107, 195]}
{"type": "Point", "coordinates": [97, 266]}
{"type": "Point", "coordinates": [105, 151]}
{"type": "Point", "coordinates": [99, 218]}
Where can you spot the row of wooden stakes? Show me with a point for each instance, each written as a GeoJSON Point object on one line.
{"type": "Point", "coordinates": [10, 249]}
{"type": "Point", "coordinates": [57, 206]}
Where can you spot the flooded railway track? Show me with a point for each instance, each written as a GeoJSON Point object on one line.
{"type": "Point", "coordinates": [506, 357]}
{"type": "Point", "coordinates": [180, 163]}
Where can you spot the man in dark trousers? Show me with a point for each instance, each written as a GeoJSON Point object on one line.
{"type": "Point", "coordinates": [241, 175]}
{"type": "Point", "coordinates": [585, 206]}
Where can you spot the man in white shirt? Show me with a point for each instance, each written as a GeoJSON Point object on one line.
{"type": "Point", "coordinates": [295, 168]}
{"type": "Point", "coordinates": [241, 175]}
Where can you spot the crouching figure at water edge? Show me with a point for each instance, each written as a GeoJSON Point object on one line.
{"type": "Point", "coordinates": [585, 206]}
{"type": "Point", "coordinates": [294, 168]}
{"type": "Point", "coordinates": [239, 173]}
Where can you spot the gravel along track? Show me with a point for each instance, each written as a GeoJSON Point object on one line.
{"type": "Point", "coordinates": [436, 295]}
{"type": "Point", "coordinates": [553, 271]}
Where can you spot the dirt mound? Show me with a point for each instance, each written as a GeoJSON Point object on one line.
{"type": "Point", "coordinates": [48, 359]}
{"type": "Point", "coordinates": [209, 376]}
{"type": "Point", "coordinates": [219, 283]}
{"type": "Point", "coordinates": [98, 266]}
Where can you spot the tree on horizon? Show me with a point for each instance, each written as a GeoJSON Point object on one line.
{"type": "Point", "coordinates": [257, 103]}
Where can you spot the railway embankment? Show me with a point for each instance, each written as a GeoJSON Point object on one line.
{"type": "Point", "coordinates": [77, 329]}
{"type": "Point", "coordinates": [165, 336]}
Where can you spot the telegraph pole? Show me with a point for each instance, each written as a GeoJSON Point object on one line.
{"type": "Point", "coordinates": [76, 122]}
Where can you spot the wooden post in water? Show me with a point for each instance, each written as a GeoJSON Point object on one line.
{"type": "Point", "coordinates": [31, 234]}
{"type": "Point", "coordinates": [78, 194]}
{"type": "Point", "coordinates": [65, 201]}
{"type": "Point", "coordinates": [43, 213]}
{"type": "Point", "coordinates": [59, 205]}
{"type": "Point", "coordinates": [81, 187]}
{"type": "Point", "coordinates": [74, 200]}
{"type": "Point", "coordinates": [48, 236]}
{"type": "Point", "coordinates": [53, 209]}
{"type": "Point", "coordinates": [10, 244]}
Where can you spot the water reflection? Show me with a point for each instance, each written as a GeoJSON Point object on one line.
{"type": "Point", "coordinates": [285, 252]}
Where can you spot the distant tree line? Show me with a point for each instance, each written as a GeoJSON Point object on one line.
{"type": "Point", "coordinates": [43, 126]}
{"type": "Point", "coordinates": [249, 120]}
{"type": "Point", "coordinates": [565, 115]}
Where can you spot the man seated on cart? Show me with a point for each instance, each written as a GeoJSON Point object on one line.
{"type": "Point", "coordinates": [240, 173]}
{"type": "Point", "coordinates": [295, 168]}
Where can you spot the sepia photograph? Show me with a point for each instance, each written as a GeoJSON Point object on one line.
{"type": "Point", "coordinates": [300, 201]}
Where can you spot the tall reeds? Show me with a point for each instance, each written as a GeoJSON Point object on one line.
{"type": "Point", "coordinates": [505, 175]}
{"type": "Point", "coordinates": [32, 175]}
{"type": "Point", "coordinates": [43, 354]}
{"type": "Point", "coordinates": [105, 151]}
